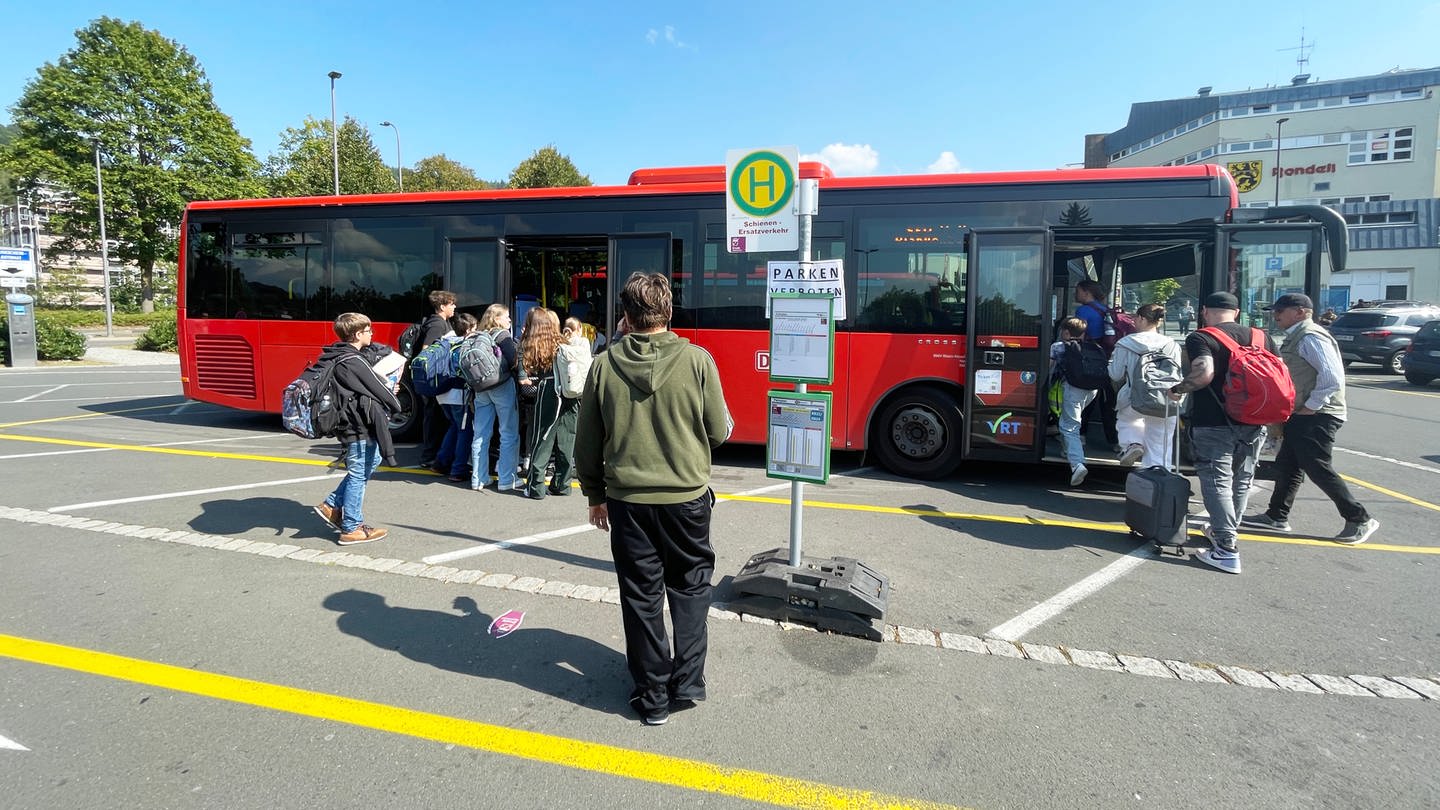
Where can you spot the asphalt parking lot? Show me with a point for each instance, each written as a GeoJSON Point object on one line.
{"type": "Point", "coordinates": [997, 562]}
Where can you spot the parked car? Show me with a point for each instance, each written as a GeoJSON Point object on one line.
{"type": "Point", "coordinates": [1380, 334]}
{"type": "Point", "coordinates": [1422, 356]}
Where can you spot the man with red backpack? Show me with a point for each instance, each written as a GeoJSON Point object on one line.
{"type": "Point", "coordinates": [1239, 386]}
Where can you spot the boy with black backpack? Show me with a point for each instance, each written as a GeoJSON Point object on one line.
{"type": "Point", "coordinates": [432, 417]}
{"type": "Point", "coordinates": [1083, 368]}
{"type": "Point", "coordinates": [366, 402]}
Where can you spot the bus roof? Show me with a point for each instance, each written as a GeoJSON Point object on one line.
{"type": "Point", "coordinates": [711, 180]}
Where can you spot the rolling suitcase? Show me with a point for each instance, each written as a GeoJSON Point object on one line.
{"type": "Point", "coordinates": [1157, 499]}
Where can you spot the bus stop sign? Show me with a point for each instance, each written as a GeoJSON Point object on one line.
{"type": "Point", "coordinates": [17, 266]}
{"type": "Point", "coordinates": [760, 195]}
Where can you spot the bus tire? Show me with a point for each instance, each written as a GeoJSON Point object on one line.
{"type": "Point", "coordinates": [917, 434]}
{"type": "Point", "coordinates": [405, 423]}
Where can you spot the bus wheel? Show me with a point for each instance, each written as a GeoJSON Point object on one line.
{"type": "Point", "coordinates": [917, 434]}
{"type": "Point", "coordinates": [405, 423]}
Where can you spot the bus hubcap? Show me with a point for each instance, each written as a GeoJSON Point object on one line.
{"type": "Point", "coordinates": [917, 432]}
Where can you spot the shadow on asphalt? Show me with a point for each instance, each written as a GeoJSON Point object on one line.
{"type": "Point", "coordinates": [565, 666]}
{"type": "Point", "coordinates": [277, 515]}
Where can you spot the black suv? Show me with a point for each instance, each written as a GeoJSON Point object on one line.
{"type": "Point", "coordinates": [1381, 334]}
{"type": "Point", "coordinates": [1422, 359]}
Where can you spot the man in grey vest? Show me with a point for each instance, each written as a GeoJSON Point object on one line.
{"type": "Point", "coordinates": [1313, 357]}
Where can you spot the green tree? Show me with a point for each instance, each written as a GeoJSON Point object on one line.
{"type": "Point", "coordinates": [7, 184]}
{"type": "Point", "coordinates": [303, 165]}
{"type": "Point", "coordinates": [146, 102]}
{"type": "Point", "coordinates": [547, 168]}
{"type": "Point", "coordinates": [440, 173]}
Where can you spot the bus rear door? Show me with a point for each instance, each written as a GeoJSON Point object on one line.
{"type": "Point", "coordinates": [1007, 344]}
{"type": "Point", "coordinates": [1272, 254]}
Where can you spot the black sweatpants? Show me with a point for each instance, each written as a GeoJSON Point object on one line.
{"type": "Point", "coordinates": [1306, 450]}
{"type": "Point", "coordinates": [663, 551]}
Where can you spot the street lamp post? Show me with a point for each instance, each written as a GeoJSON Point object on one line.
{"type": "Point", "coordinates": [334, 132]}
{"type": "Point", "coordinates": [1279, 173]}
{"type": "Point", "coordinates": [399, 166]}
{"type": "Point", "coordinates": [104, 244]}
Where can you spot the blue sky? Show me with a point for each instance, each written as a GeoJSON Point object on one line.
{"type": "Point", "coordinates": [876, 88]}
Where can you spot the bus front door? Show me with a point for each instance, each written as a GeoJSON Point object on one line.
{"type": "Point", "coordinates": [632, 253]}
{"type": "Point", "coordinates": [1007, 344]}
{"type": "Point", "coordinates": [1260, 262]}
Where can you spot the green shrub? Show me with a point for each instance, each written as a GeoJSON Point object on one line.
{"type": "Point", "coordinates": [55, 341]}
{"type": "Point", "coordinates": [161, 337]}
{"type": "Point", "coordinates": [5, 337]}
{"type": "Point", "coordinates": [91, 318]}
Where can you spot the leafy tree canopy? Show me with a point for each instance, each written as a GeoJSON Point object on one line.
{"type": "Point", "coordinates": [147, 103]}
{"type": "Point", "coordinates": [547, 168]}
{"type": "Point", "coordinates": [440, 173]}
{"type": "Point", "coordinates": [303, 164]}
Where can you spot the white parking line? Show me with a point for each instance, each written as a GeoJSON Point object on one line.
{"type": "Point", "coordinates": [11, 745]}
{"type": "Point", "coordinates": [460, 554]}
{"type": "Point", "coordinates": [161, 496]}
{"type": "Point", "coordinates": [40, 394]}
{"type": "Point", "coordinates": [1057, 604]}
{"type": "Point", "coordinates": [1409, 464]}
{"type": "Point", "coordinates": [180, 409]}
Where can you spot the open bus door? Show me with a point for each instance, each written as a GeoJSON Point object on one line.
{"type": "Point", "coordinates": [631, 253]}
{"type": "Point", "coordinates": [1269, 254]}
{"type": "Point", "coordinates": [476, 271]}
{"type": "Point", "coordinates": [1007, 344]}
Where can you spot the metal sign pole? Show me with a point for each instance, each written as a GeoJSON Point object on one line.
{"type": "Point", "coordinates": [808, 203]}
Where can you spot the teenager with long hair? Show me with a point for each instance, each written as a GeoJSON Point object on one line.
{"type": "Point", "coordinates": [552, 417]}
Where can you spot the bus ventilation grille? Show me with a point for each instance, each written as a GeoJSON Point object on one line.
{"type": "Point", "coordinates": [225, 364]}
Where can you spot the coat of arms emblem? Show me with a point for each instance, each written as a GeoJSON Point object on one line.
{"type": "Point", "coordinates": [1246, 174]}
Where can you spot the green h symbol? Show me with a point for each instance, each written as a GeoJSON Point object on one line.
{"type": "Point", "coordinates": [756, 183]}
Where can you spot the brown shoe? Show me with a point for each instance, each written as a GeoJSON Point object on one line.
{"type": "Point", "coordinates": [362, 534]}
{"type": "Point", "coordinates": [329, 514]}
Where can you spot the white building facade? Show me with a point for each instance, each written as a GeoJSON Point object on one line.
{"type": "Point", "coordinates": [1365, 146]}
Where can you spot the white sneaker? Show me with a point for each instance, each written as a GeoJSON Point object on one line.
{"type": "Point", "coordinates": [1226, 561]}
{"type": "Point", "coordinates": [1077, 475]}
{"type": "Point", "coordinates": [1132, 454]}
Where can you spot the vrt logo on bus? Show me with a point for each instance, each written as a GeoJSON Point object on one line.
{"type": "Point", "coordinates": [1001, 427]}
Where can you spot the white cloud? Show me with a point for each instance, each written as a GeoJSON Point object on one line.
{"type": "Point", "coordinates": [947, 163]}
{"type": "Point", "coordinates": [848, 160]}
{"type": "Point", "coordinates": [653, 36]}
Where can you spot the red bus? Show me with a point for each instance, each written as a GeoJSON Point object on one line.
{"type": "Point", "coordinates": [938, 269]}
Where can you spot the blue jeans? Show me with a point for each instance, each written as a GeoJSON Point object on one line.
{"type": "Point", "coordinates": [1225, 459]}
{"type": "Point", "coordinates": [1072, 407]}
{"type": "Point", "coordinates": [362, 458]}
{"type": "Point", "coordinates": [455, 447]}
{"type": "Point", "coordinates": [497, 403]}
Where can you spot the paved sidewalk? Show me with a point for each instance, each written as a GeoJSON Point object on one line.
{"type": "Point", "coordinates": [119, 349]}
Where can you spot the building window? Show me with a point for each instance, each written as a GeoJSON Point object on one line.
{"type": "Point", "coordinates": [1392, 218]}
{"type": "Point", "coordinates": [1309, 104]}
{"type": "Point", "coordinates": [1409, 94]}
{"type": "Point", "coordinates": [1325, 186]}
{"type": "Point", "coordinates": [1359, 98]}
{"type": "Point", "coordinates": [1381, 146]}
{"type": "Point", "coordinates": [1260, 108]}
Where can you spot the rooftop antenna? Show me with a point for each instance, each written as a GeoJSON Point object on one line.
{"type": "Point", "coordinates": [1303, 57]}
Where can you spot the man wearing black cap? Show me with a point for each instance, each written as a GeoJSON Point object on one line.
{"type": "Point", "coordinates": [1225, 451]}
{"type": "Point", "coordinates": [1313, 357]}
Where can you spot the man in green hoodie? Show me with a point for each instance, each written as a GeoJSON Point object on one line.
{"type": "Point", "coordinates": [652, 411]}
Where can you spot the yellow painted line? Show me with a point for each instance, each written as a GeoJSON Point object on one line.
{"type": "Point", "coordinates": [568, 753]}
{"type": "Point", "coordinates": [174, 451]}
{"type": "Point", "coordinates": [1392, 493]}
{"type": "Point", "coordinates": [1109, 528]}
{"type": "Point", "coordinates": [85, 416]}
{"type": "Point", "coordinates": [852, 507]}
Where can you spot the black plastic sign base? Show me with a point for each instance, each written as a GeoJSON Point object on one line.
{"type": "Point", "coordinates": [837, 594]}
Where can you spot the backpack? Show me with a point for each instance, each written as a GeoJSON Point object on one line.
{"type": "Point", "coordinates": [411, 336]}
{"type": "Point", "coordinates": [572, 366]}
{"type": "Point", "coordinates": [1116, 324]}
{"type": "Point", "coordinates": [1085, 365]}
{"type": "Point", "coordinates": [1258, 389]}
{"type": "Point", "coordinates": [433, 370]}
{"type": "Point", "coordinates": [1151, 375]}
{"type": "Point", "coordinates": [312, 406]}
{"type": "Point", "coordinates": [480, 363]}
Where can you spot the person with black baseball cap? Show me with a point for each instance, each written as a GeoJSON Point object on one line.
{"type": "Point", "coordinates": [1313, 357]}
{"type": "Point", "coordinates": [1225, 451]}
